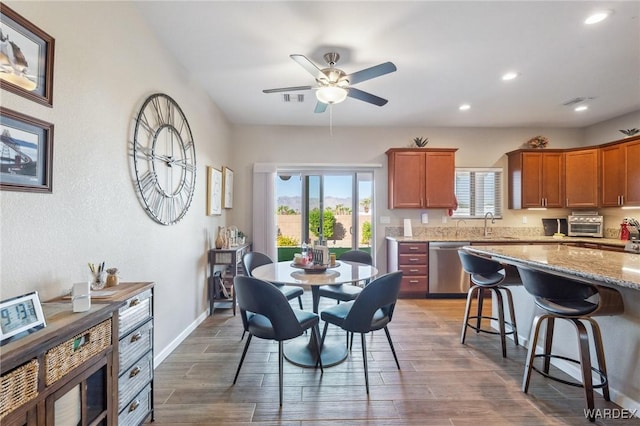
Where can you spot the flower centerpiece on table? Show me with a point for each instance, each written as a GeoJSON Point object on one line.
{"type": "Point", "coordinates": [538, 142]}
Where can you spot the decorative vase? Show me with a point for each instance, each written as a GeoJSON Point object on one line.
{"type": "Point", "coordinates": [112, 280]}
{"type": "Point", "coordinates": [220, 238]}
{"type": "Point", "coordinates": [98, 280]}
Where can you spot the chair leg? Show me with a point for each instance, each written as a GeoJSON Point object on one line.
{"type": "Point", "coordinates": [533, 340]}
{"type": "Point", "coordinates": [602, 365]}
{"type": "Point", "coordinates": [244, 353]}
{"type": "Point", "coordinates": [393, 350]}
{"type": "Point", "coordinates": [503, 336]}
{"type": "Point", "coordinates": [243, 333]}
{"type": "Point", "coordinates": [480, 303]}
{"type": "Point", "coordinates": [512, 314]}
{"type": "Point", "coordinates": [548, 343]}
{"type": "Point", "coordinates": [364, 358]}
{"type": "Point", "coordinates": [300, 302]}
{"type": "Point", "coordinates": [467, 310]}
{"type": "Point", "coordinates": [324, 335]}
{"type": "Point", "coordinates": [280, 367]}
{"type": "Point", "coordinates": [315, 333]}
{"type": "Point", "coordinates": [585, 362]}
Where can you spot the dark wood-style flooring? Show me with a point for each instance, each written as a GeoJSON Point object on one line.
{"type": "Point", "coordinates": [442, 382]}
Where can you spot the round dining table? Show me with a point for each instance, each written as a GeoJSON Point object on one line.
{"type": "Point", "coordinates": [303, 352]}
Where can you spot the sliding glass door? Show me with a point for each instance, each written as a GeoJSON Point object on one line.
{"type": "Point", "coordinates": [329, 208]}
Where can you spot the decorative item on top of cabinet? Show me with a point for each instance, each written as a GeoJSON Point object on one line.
{"type": "Point", "coordinates": [538, 142]}
{"type": "Point", "coordinates": [421, 178]}
{"type": "Point", "coordinates": [581, 173]}
{"type": "Point", "coordinates": [536, 178]}
{"type": "Point", "coordinates": [629, 132]}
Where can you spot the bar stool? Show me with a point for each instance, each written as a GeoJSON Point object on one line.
{"type": "Point", "coordinates": [487, 275]}
{"type": "Point", "coordinates": [574, 301]}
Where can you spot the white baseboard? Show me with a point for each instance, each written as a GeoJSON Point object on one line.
{"type": "Point", "coordinates": [164, 353]}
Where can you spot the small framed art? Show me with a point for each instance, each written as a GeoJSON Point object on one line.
{"type": "Point", "coordinates": [27, 152]}
{"type": "Point", "coordinates": [214, 191]}
{"type": "Point", "coordinates": [227, 184]}
{"type": "Point", "coordinates": [28, 68]}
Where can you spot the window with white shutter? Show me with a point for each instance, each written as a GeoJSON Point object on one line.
{"type": "Point", "coordinates": [478, 191]}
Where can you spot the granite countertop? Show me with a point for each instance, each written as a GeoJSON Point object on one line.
{"type": "Point", "coordinates": [594, 265]}
{"type": "Point", "coordinates": [512, 239]}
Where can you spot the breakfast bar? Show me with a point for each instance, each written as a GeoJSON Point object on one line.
{"type": "Point", "coordinates": [621, 333]}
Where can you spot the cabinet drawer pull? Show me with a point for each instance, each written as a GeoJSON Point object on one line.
{"type": "Point", "coordinates": [413, 281]}
{"type": "Point", "coordinates": [414, 270]}
{"type": "Point", "coordinates": [134, 372]}
{"type": "Point", "coordinates": [414, 260]}
{"type": "Point", "coordinates": [414, 248]}
{"type": "Point", "coordinates": [137, 336]}
{"type": "Point", "coordinates": [135, 404]}
{"type": "Point", "coordinates": [134, 302]}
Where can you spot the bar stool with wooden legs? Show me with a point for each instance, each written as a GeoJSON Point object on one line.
{"type": "Point", "coordinates": [576, 302]}
{"type": "Point", "coordinates": [489, 275]}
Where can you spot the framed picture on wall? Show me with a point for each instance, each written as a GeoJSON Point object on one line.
{"type": "Point", "coordinates": [26, 147]}
{"type": "Point", "coordinates": [214, 191]}
{"type": "Point", "coordinates": [27, 52]}
{"type": "Point", "coordinates": [227, 184]}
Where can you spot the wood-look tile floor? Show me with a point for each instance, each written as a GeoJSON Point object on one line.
{"type": "Point", "coordinates": [441, 382]}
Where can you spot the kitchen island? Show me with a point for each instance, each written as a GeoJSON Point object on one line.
{"type": "Point", "coordinates": [621, 333]}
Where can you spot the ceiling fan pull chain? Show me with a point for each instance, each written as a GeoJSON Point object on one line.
{"type": "Point", "coordinates": [330, 119]}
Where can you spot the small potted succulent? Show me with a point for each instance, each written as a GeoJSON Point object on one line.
{"type": "Point", "coordinates": [421, 142]}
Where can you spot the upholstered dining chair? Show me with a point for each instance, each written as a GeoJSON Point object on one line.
{"type": "Point", "coordinates": [253, 259]}
{"type": "Point", "coordinates": [346, 292]}
{"type": "Point", "coordinates": [272, 318]}
{"type": "Point", "coordinates": [371, 310]}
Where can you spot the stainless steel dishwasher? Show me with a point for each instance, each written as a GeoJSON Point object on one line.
{"type": "Point", "coordinates": [446, 276]}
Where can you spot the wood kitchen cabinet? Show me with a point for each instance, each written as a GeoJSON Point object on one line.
{"type": "Point", "coordinates": [536, 178]}
{"type": "Point", "coordinates": [412, 258]}
{"type": "Point", "coordinates": [421, 178]}
{"type": "Point", "coordinates": [581, 168]}
{"type": "Point", "coordinates": [620, 178]}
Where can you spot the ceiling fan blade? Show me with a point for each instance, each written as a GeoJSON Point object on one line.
{"type": "Point", "coordinates": [308, 65]}
{"type": "Point", "coordinates": [287, 89]}
{"type": "Point", "coordinates": [320, 107]}
{"type": "Point", "coordinates": [365, 96]}
{"type": "Point", "coordinates": [369, 73]}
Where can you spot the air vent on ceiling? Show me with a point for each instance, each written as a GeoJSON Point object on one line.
{"type": "Point", "coordinates": [287, 97]}
{"type": "Point", "coordinates": [577, 100]}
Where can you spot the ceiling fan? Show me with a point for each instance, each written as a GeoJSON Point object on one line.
{"type": "Point", "coordinates": [334, 85]}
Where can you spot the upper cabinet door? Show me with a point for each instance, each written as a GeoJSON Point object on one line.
{"type": "Point", "coordinates": [552, 179]}
{"type": "Point", "coordinates": [535, 179]}
{"type": "Point", "coordinates": [613, 175]}
{"type": "Point", "coordinates": [531, 189]}
{"type": "Point", "coordinates": [406, 179]}
{"type": "Point", "coordinates": [632, 182]}
{"type": "Point", "coordinates": [581, 178]}
{"type": "Point", "coordinates": [440, 180]}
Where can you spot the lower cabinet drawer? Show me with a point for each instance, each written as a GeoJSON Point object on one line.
{"type": "Point", "coordinates": [414, 285]}
{"type": "Point", "coordinates": [134, 345]}
{"type": "Point", "coordinates": [137, 310]}
{"type": "Point", "coordinates": [134, 380]}
{"type": "Point", "coordinates": [136, 411]}
{"type": "Point", "coordinates": [412, 259]}
{"type": "Point", "coordinates": [408, 270]}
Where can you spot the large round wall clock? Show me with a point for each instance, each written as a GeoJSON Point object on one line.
{"type": "Point", "coordinates": [164, 159]}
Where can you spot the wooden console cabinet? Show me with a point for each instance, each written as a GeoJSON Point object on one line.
{"type": "Point", "coordinates": [68, 372]}
{"type": "Point", "coordinates": [421, 178]}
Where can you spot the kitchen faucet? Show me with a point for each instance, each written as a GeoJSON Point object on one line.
{"type": "Point", "coordinates": [493, 220]}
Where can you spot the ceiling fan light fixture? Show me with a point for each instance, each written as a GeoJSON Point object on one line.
{"type": "Point", "coordinates": [331, 94]}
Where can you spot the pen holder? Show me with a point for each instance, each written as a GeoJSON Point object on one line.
{"type": "Point", "coordinates": [97, 280]}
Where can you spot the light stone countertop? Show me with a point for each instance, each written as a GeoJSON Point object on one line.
{"type": "Point", "coordinates": [593, 265]}
{"type": "Point", "coordinates": [511, 239]}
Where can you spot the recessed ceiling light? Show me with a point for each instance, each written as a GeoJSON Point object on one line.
{"type": "Point", "coordinates": [510, 75]}
{"type": "Point", "coordinates": [581, 108]}
{"type": "Point", "coordinates": [597, 17]}
{"type": "Point", "coordinates": [464, 107]}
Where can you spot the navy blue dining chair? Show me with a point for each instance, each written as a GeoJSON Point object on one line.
{"type": "Point", "coordinates": [371, 310]}
{"type": "Point", "coordinates": [270, 316]}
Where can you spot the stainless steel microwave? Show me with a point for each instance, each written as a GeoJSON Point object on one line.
{"type": "Point", "coordinates": [587, 224]}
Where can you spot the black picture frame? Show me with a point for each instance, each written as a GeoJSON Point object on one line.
{"type": "Point", "coordinates": [26, 153]}
{"type": "Point", "coordinates": [33, 46]}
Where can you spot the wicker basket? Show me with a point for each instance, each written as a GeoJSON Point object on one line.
{"type": "Point", "coordinates": [68, 355]}
{"type": "Point", "coordinates": [18, 386]}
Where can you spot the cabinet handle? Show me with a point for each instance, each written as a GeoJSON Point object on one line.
{"type": "Point", "coordinates": [134, 372]}
{"type": "Point", "coordinates": [413, 281]}
{"type": "Point", "coordinates": [134, 405]}
{"type": "Point", "coordinates": [134, 302]}
{"type": "Point", "coordinates": [413, 248]}
{"type": "Point", "coordinates": [136, 337]}
{"type": "Point", "coordinates": [413, 270]}
{"type": "Point", "coordinates": [622, 200]}
{"type": "Point", "coordinates": [567, 202]}
{"type": "Point", "coordinates": [413, 260]}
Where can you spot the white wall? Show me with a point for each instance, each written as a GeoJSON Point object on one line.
{"type": "Point", "coordinates": [106, 63]}
{"type": "Point", "coordinates": [608, 131]}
